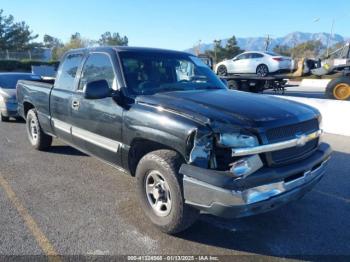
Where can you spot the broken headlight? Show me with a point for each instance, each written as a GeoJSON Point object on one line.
{"type": "Point", "coordinates": [237, 140]}
{"type": "Point", "coordinates": [244, 166]}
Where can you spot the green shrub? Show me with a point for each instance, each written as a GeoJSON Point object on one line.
{"type": "Point", "coordinates": [23, 65]}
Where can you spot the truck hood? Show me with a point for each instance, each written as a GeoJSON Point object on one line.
{"type": "Point", "coordinates": [230, 107]}
{"type": "Point", "coordinates": [8, 93]}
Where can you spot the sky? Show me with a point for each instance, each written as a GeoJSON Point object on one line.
{"type": "Point", "coordinates": [179, 24]}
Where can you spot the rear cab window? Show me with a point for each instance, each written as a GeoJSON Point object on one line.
{"type": "Point", "coordinates": [67, 72]}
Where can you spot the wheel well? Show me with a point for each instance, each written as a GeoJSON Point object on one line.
{"type": "Point", "coordinates": [26, 107]}
{"type": "Point", "coordinates": [139, 148]}
{"type": "Point", "coordinates": [261, 65]}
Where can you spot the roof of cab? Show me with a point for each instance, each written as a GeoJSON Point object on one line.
{"type": "Point", "coordinates": [127, 49]}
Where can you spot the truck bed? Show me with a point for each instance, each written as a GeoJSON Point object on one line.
{"type": "Point", "coordinates": [41, 99]}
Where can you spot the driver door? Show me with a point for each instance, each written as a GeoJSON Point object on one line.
{"type": "Point", "coordinates": [97, 123]}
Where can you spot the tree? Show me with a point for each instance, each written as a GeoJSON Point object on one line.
{"type": "Point", "coordinates": [15, 36]}
{"type": "Point", "coordinates": [283, 50]}
{"type": "Point", "coordinates": [310, 49]}
{"type": "Point", "coordinates": [54, 44]}
{"type": "Point", "coordinates": [220, 53]}
{"type": "Point", "coordinates": [108, 39]}
{"type": "Point", "coordinates": [76, 41]}
{"type": "Point", "coordinates": [51, 42]}
{"type": "Point", "coordinates": [232, 49]}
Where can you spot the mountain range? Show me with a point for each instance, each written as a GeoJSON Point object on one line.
{"type": "Point", "coordinates": [291, 39]}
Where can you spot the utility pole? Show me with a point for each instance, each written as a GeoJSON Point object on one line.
{"type": "Point", "coordinates": [267, 42]}
{"type": "Point", "coordinates": [216, 42]}
{"type": "Point", "coordinates": [330, 37]}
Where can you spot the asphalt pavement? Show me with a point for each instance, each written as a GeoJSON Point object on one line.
{"type": "Point", "coordinates": [67, 203]}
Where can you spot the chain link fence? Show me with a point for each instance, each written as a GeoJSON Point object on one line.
{"type": "Point", "coordinates": [40, 55]}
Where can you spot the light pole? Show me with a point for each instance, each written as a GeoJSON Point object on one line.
{"type": "Point", "coordinates": [216, 43]}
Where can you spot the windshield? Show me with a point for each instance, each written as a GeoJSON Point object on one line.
{"type": "Point", "coordinates": [153, 72]}
{"type": "Point", "coordinates": [10, 81]}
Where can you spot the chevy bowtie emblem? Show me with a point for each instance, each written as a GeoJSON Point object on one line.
{"type": "Point", "coordinates": [302, 139]}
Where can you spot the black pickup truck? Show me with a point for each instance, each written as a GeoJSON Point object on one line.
{"type": "Point", "coordinates": [166, 118]}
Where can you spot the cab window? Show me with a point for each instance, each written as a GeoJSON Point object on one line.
{"type": "Point", "coordinates": [98, 66]}
{"type": "Point", "coordinates": [68, 70]}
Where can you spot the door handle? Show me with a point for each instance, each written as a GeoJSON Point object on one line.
{"type": "Point", "coordinates": [75, 104]}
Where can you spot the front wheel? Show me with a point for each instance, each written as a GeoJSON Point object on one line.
{"type": "Point", "coordinates": [161, 194]}
{"type": "Point", "coordinates": [38, 139]}
{"type": "Point", "coordinates": [262, 70]}
{"type": "Point", "coordinates": [222, 70]}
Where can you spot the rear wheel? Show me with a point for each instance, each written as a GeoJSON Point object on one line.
{"type": "Point", "coordinates": [339, 89]}
{"type": "Point", "coordinates": [38, 139]}
{"type": "Point", "coordinates": [4, 118]}
{"type": "Point", "coordinates": [222, 70]}
{"type": "Point", "coordinates": [262, 70]}
{"type": "Point", "coordinates": [161, 194]}
{"type": "Point", "coordinates": [234, 85]}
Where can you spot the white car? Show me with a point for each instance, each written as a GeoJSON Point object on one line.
{"type": "Point", "coordinates": [260, 63]}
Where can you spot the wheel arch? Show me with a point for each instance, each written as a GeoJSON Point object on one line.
{"type": "Point", "coordinates": [26, 107]}
{"type": "Point", "coordinates": [264, 64]}
{"type": "Point", "coordinates": [140, 147]}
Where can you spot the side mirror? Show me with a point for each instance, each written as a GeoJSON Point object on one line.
{"type": "Point", "coordinates": [97, 90]}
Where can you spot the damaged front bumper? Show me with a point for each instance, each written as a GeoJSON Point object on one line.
{"type": "Point", "coordinates": [220, 193]}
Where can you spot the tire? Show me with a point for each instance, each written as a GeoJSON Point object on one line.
{"type": "Point", "coordinates": [4, 118]}
{"type": "Point", "coordinates": [262, 70]}
{"type": "Point", "coordinates": [38, 139]}
{"type": "Point", "coordinates": [158, 178]}
{"type": "Point", "coordinates": [234, 85]}
{"type": "Point", "coordinates": [222, 70]}
{"type": "Point", "coordinates": [339, 88]}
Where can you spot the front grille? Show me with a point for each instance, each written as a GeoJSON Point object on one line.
{"type": "Point", "coordinates": [278, 134]}
{"type": "Point", "coordinates": [284, 133]}
{"type": "Point", "coordinates": [293, 154]}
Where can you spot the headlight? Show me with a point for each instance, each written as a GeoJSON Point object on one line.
{"type": "Point", "coordinates": [320, 122]}
{"type": "Point", "coordinates": [237, 140]}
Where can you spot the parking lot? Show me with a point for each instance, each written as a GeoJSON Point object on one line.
{"type": "Point", "coordinates": [65, 202]}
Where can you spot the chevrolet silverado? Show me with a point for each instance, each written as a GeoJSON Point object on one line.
{"type": "Point", "coordinates": [193, 145]}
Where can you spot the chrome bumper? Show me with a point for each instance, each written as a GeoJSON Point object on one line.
{"type": "Point", "coordinates": [230, 203]}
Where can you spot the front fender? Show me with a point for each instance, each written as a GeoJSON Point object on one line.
{"type": "Point", "coordinates": [163, 127]}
